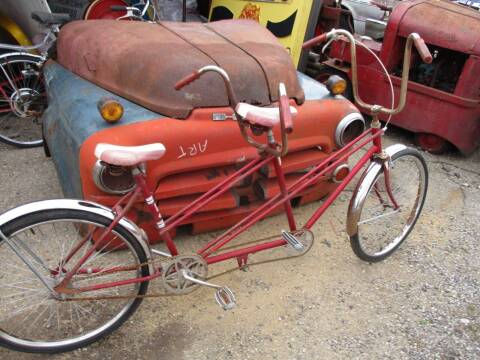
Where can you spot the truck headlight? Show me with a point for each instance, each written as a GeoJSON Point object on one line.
{"type": "Point", "coordinates": [349, 128]}
{"type": "Point", "coordinates": [113, 179]}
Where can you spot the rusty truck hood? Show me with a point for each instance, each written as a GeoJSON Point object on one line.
{"type": "Point", "coordinates": [141, 62]}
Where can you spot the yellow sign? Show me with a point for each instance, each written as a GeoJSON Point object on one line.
{"type": "Point", "coordinates": [287, 20]}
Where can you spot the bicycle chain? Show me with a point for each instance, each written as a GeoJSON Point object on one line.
{"type": "Point", "coordinates": [157, 295]}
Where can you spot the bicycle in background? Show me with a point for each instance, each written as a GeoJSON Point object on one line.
{"type": "Point", "coordinates": [22, 90]}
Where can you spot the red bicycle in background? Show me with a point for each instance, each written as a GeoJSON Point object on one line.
{"type": "Point", "coordinates": [73, 271]}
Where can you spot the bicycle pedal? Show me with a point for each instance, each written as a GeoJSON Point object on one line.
{"type": "Point", "coordinates": [292, 241]}
{"type": "Point", "coordinates": [225, 298]}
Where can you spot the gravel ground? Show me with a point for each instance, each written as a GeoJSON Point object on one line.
{"type": "Point", "coordinates": [421, 303]}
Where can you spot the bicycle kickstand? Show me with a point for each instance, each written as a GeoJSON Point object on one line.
{"type": "Point", "coordinates": [224, 296]}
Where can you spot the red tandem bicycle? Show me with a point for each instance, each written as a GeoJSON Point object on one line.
{"type": "Point", "coordinates": [73, 271]}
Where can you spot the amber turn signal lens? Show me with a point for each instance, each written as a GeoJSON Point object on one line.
{"type": "Point", "coordinates": [336, 85]}
{"type": "Point", "coordinates": [110, 110]}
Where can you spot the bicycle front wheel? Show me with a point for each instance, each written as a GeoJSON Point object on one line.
{"type": "Point", "coordinates": [387, 219]}
{"type": "Point", "coordinates": [35, 319]}
{"type": "Point", "coordinates": [22, 99]}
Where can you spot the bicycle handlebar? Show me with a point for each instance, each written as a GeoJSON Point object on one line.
{"type": "Point", "coordinates": [381, 6]}
{"type": "Point", "coordinates": [48, 39]}
{"type": "Point", "coordinates": [316, 40]}
{"type": "Point", "coordinates": [187, 80]}
{"type": "Point", "coordinates": [286, 124]}
{"type": "Point", "coordinates": [422, 49]}
{"type": "Point", "coordinates": [284, 107]}
{"type": "Point", "coordinates": [412, 39]}
{"type": "Point", "coordinates": [197, 74]}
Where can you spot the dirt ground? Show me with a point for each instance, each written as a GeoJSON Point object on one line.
{"type": "Point", "coordinates": [421, 303]}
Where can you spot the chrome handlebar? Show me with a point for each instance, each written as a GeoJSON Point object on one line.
{"type": "Point", "coordinates": [413, 39]}
{"type": "Point", "coordinates": [133, 12]}
{"type": "Point", "coordinates": [47, 41]}
{"type": "Point", "coordinates": [284, 106]}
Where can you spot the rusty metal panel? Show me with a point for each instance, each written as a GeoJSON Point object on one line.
{"type": "Point", "coordinates": [442, 23]}
{"type": "Point", "coordinates": [248, 79]}
{"type": "Point", "coordinates": [264, 47]}
{"type": "Point", "coordinates": [142, 62]}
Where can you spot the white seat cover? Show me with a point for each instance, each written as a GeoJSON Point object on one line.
{"type": "Point", "coordinates": [272, 113]}
{"type": "Point", "coordinates": [128, 155]}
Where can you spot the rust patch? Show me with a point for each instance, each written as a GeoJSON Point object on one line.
{"type": "Point", "coordinates": [142, 62]}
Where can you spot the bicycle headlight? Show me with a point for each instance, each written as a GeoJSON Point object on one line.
{"type": "Point", "coordinates": [112, 179]}
{"type": "Point", "coordinates": [349, 128]}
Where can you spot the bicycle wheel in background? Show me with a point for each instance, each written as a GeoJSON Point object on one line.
{"type": "Point", "coordinates": [22, 99]}
{"type": "Point", "coordinates": [381, 228]}
{"type": "Point", "coordinates": [32, 319]}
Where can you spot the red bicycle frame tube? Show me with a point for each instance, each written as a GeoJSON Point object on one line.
{"type": "Point", "coordinates": [96, 245]}
{"type": "Point", "coordinates": [216, 191]}
{"type": "Point", "coordinates": [308, 179]}
{"type": "Point", "coordinates": [283, 197]}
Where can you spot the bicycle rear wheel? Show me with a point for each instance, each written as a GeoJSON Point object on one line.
{"type": "Point", "coordinates": [22, 99]}
{"type": "Point", "coordinates": [381, 226]}
{"type": "Point", "coordinates": [32, 319]}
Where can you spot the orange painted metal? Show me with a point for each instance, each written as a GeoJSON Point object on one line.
{"type": "Point", "coordinates": [229, 200]}
{"type": "Point", "coordinates": [194, 182]}
{"type": "Point", "coordinates": [296, 162]}
{"type": "Point", "coordinates": [202, 152]}
{"type": "Point", "coordinates": [268, 188]}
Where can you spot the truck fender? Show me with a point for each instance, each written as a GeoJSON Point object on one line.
{"type": "Point", "coordinates": [363, 187]}
{"type": "Point", "coordinates": [73, 204]}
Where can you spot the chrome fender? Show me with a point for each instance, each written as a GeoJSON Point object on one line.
{"type": "Point", "coordinates": [363, 187]}
{"type": "Point", "coordinates": [72, 204]}
{"type": "Point", "coordinates": [7, 55]}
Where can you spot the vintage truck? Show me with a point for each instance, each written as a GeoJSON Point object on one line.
{"type": "Point", "coordinates": [443, 103]}
{"type": "Point", "coordinates": [136, 64]}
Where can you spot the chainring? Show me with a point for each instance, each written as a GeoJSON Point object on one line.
{"type": "Point", "coordinates": [173, 280]}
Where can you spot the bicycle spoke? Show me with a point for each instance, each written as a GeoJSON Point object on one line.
{"type": "Point", "coordinates": [21, 86]}
{"type": "Point", "coordinates": [377, 217]}
{"type": "Point", "coordinates": [30, 313]}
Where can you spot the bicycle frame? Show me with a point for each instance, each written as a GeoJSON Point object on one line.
{"type": "Point", "coordinates": [46, 43]}
{"type": "Point", "coordinates": [372, 135]}
{"type": "Point", "coordinates": [270, 154]}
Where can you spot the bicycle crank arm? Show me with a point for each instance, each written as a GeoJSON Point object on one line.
{"type": "Point", "coordinates": [224, 296]}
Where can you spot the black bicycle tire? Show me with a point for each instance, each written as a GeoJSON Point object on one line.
{"type": "Point", "coordinates": [5, 139]}
{"type": "Point", "coordinates": [355, 240]}
{"type": "Point", "coordinates": [17, 224]}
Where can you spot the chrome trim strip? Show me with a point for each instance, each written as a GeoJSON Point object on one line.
{"type": "Point", "coordinates": [73, 204]}
{"type": "Point", "coordinates": [335, 172]}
